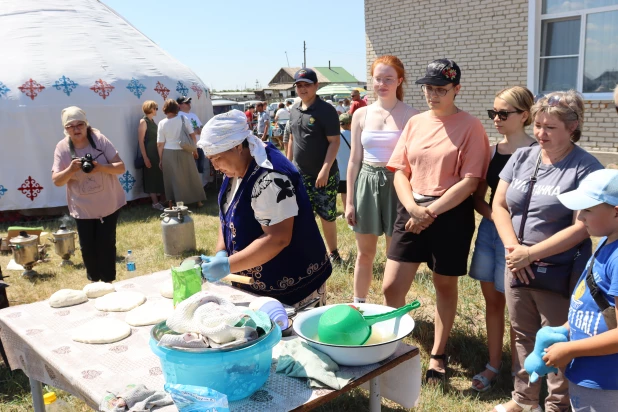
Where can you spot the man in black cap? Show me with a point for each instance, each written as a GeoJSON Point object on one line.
{"type": "Point", "coordinates": [202, 163]}
{"type": "Point", "coordinates": [314, 142]}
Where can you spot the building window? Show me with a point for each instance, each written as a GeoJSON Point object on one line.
{"type": "Point", "coordinates": [578, 46]}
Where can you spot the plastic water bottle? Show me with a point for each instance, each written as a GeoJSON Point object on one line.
{"type": "Point", "coordinates": [53, 404]}
{"type": "Point", "coordinates": [130, 262]}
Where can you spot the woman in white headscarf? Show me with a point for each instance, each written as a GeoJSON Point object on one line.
{"type": "Point", "coordinates": [267, 229]}
{"type": "Point", "coordinates": [94, 194]}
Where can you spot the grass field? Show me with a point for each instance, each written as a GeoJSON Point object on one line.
{"type": "Point", "coordinates": [139, 230]}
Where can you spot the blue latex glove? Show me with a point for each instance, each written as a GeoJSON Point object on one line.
{"type": "Point", "coordinates": [545, 337]}
{"type": "Point", "coordinates": [208, 258]}
{"type": "Point", "coordinates": [216, 267]}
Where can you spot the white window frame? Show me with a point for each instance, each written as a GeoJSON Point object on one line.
{"type": "Point", "coordinates": [535, 19]}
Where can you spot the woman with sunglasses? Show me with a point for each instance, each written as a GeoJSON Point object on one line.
{"type": "Point", "coordinates": [94, 194]}
{"type": "Point", "coordinates": [552, 236]}
{"type": "Point", "coordinates": [511, 115]}
{"type": "Point", "coordinates": [371, 203]}
{"type": "Point", "coordinates": [147, 137]}
{"type": "Point", "coordinates": [438, 162]}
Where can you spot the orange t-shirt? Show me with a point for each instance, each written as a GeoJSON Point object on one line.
{"type": "Point", "coordinates": [437, 152]}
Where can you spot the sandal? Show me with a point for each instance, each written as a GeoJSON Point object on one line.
{"type": "Point", "coordinates": [524, 408]}
{"type": "Point", "coordinates": [434, 376]}
{"type": "Point", "coordinates": [487, 383]}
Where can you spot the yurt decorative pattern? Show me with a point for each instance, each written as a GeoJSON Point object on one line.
{"type": "Point", "coordinates": [77, 53]}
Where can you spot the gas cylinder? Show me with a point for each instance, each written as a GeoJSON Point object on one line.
{"type": "Point", "coordinates": [178, 231]}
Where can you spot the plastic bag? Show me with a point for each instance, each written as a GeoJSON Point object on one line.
{"type": "Point", "coordinates": [189, 398]}
{"type": "Point", "coordinates": [187, 280]}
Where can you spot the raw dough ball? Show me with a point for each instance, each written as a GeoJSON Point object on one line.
{"type": "Point", "coordinates": [119, 301]}
{"type": "Point", "coordinates": [151, 313]}
{"type": "Point", "coordinates": [67, 297]}
{"type": "Point", "coordinates": [98, 289]}
{"type": "Point", "coordinates": [101, 331]}
{"type": "Point", "coordinates": [167, 289]}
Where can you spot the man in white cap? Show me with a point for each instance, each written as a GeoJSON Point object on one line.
{"type": "Point", "coordinates": [267, 229]}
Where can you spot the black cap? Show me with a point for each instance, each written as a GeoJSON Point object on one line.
{"type": "Point", "coordinates": [441, 72]}
{"type": "Point", "coordinates": [251, 106]}
{"type": "Point", "coordinates": [183, 99]}
{"type": "Point", "coordinates": [305, 75]}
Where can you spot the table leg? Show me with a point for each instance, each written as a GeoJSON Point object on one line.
{"type": "Point", "coordinates": [375, 404]}
{"type": "Point", "coordinates": [36, 389]}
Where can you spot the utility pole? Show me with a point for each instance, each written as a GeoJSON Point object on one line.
{"type": "Point", "coordinates": [304, 55]}
{"type": "Point", "coordinates": [286, 58]}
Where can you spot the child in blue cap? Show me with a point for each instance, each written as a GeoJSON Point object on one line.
{"type": "Point", "coordinates": [591, 354]}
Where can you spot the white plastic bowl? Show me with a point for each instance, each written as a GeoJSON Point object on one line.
{"type": "Point", "coordinates": [306, 326]}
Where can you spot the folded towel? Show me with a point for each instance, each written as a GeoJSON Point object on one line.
{"type": "Point", "coordinates": [134, 398]}
{"type": "Point", "coordinates": [298, 359]}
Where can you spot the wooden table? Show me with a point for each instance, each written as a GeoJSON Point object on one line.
{"type": "Point", "coordinates": [37, 339]}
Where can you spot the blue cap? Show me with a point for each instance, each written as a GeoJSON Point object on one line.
{"type": "Point", "coordinates": [305, 75]}
{"type": "Point", "coordinates": [596, 188]}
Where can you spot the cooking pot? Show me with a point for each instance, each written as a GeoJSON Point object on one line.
{"type": "Point", "coordinates": [306, 326]}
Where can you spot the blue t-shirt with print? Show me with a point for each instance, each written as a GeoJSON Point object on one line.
{"type": "Point", "coordinates": [586, 320]}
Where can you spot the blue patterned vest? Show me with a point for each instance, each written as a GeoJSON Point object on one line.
{"type": "Point", "coordinates": [299, 269]}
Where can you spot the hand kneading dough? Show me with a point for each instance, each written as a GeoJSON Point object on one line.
{"type": "Point", "coordinates": [167, 289]}
{"type": "Point", "coordinates": [119, 301]}
{"type": "Point", "coordinates": [67, 297]}
{"type": "Point", "coordinates": [150, 313]}
{"type": "Point", "coordinates": [101, 331]}
{"type": "Point", "coordinates": [98, 289]}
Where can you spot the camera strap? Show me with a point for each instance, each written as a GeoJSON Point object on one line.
{"type": "Point", "coordinates": [72, 146]}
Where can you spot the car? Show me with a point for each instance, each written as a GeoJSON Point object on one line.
{"type": "Point", "coordinates": [272, 109]}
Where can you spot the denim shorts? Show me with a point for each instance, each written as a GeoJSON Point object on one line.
{"type": "Point", "coordinates": [489, 260]}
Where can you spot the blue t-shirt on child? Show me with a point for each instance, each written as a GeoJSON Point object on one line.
{"type": "Point", "coordinates": [586, 320]}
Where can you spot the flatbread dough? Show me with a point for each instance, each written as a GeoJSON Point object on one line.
{"type": "Point", "coordinates": [150, 313]}
{"type": "Point", "coordinates": [167, 289]}
{"type": "Point", "coordinates": [67, 297]}
{"type": "Point", "coordinates": [119, 301]}
{"type": "Point", "coordinates": [98, 289]}
{"type": "Point", "coordinates": [102, 331]}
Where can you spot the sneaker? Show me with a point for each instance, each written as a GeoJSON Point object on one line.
{"type": "Point", "coordinates": [158, 206]}
{"type": "Point", "coordinates": [335, 258]}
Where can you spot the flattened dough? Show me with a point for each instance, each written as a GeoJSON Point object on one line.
{"type": "Point", "coordinates": [119, 301]}
{"type": "Point", "coordinates": [150, 313]}
{"type": "Point", "coordinates": [98, 289]}
{"type": "Point", "coordinates": [67, 297]}
{"type": "Point", "coordinates": [102, 331]}
{"type": "Point", "coordinates": [167, 289]}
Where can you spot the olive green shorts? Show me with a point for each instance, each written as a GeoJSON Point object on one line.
{"type": "Point", "coordinates": [375, 201]}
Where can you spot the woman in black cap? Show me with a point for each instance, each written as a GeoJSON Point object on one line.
{"type": "Point", "coordinates": [438, 162]}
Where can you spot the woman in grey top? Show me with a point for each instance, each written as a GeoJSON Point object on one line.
{"type": "Point", "coordinates": [552, 234]}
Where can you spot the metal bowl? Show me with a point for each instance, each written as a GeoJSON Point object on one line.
{"type": "Point", "coordinates": [161, 329]}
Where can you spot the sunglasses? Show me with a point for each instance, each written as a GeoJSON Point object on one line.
{"type": "Point", "coordinates": [555, 101]}
{"type": "Point", "coordinates": [502, 114]}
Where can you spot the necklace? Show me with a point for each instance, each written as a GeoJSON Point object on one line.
{"type": "Point", "coordinates": [390, 112]}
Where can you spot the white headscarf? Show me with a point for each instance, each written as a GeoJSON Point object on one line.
{"type": "Point", "coordinates": [72, 113]}
{"type": "Point", "coordinates": [228, 130]}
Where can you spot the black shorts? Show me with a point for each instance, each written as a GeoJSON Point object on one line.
{"type": "Point", "coordinates": [343, 187]}
{"type": "Point", "coordinates": [444, 245]}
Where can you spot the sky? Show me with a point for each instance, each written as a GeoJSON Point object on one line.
{"type": "Point", "coordinates": [230, 44]}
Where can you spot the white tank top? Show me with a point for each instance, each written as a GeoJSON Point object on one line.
{"type": "Point", "coordinates": [378, 145]}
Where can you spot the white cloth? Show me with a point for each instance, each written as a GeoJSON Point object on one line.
{"type": "Point", "coordinates": [282, 115]}
{"type": "Point", "coordinates": [343, 154]}
{"type": "Point", "coordinates": [340, 109]}
{"type": "Point", "coordinates": [169, 132]}
{"type": "Point", "coordinates": [273, 198]}
{"type": "Point", "coordinates": [227, 130]}
{"type": "Point", "coordinates": [194, 120]}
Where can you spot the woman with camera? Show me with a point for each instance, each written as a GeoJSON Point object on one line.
{"type": "Point", "coordinates": [87, 162]}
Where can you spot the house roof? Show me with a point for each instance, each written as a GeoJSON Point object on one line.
{"type": "Point", "coordinates": [325, 75]}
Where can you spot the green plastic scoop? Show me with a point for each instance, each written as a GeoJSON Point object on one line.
{"type": "Point", "coordinates": [345, 325]}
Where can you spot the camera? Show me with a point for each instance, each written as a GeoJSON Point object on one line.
{"type": "Point", "coordinates": [87, 164]}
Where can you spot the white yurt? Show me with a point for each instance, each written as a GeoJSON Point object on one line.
{"type": "Point", "coordinates": [60, 53]}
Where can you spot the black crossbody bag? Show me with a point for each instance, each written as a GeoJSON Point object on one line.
{"type": "Point", "coordinates": [608, 311]}
{"type": "Point", "coordinates": [547, 277]}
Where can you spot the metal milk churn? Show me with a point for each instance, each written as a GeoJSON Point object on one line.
{"type": "Point", "coordinates": [178, 231]}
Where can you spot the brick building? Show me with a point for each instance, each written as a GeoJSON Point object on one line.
{"type": "Point", "coordinates": [545, 45]}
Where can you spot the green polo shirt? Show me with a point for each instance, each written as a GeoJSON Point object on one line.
{"type": "Point", "coordinates": [310, 128]}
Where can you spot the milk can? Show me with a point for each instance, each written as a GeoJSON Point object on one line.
{"type": "Point", "coordinates": [178, 231]}
{"type": "Point", "coordinates": [64, 244]}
